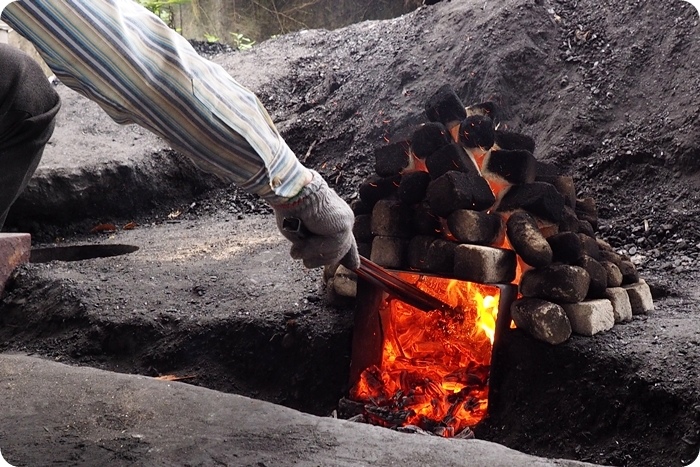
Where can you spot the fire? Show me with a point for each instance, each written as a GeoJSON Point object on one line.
{"type": "Point", "coordinates": [418, 164]}
{"type": "Point", "coordinates": [521, 265]}
{"type": "Point", "coordinates": [434, 367]}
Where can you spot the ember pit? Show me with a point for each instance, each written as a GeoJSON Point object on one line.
{"type": "Point", "coordinates": [427, 369]}
{"type": "Point", "coordinates": [465, 211]}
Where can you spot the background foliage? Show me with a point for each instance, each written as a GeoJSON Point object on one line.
{"type": "Point", "coordinates": [166, 9]}
{"type": "Point", "coordinates": [229, 20]}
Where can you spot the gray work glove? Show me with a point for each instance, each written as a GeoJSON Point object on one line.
{"type": "Point", "coordinates": [326, 237]}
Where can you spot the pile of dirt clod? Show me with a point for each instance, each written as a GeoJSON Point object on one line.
{"type": "Point", "coordinates": [608, 90]}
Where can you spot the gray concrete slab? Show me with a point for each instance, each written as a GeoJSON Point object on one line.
{"type": "Point", "coordinates": [53, 413]}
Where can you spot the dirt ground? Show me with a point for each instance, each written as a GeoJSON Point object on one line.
{"type": "Point", "coordinates": [609, 90]}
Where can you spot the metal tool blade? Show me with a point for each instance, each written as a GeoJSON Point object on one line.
{"type": "Point", "coordinates": [399, 288]}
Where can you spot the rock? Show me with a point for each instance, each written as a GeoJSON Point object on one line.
{"type": "Point", "coordinates": [445, 107]}
{"type": "Point", "coordinates": [603, 245]}
{"type": "Point", "coordinates": [448, 158]}
{"type": "Point", "coordinates": [622, 309]}
{"type": "Point", "coordinates": [418, 249]}
{"type": "Point", "coordinates": [476, 131]}
{"type": "Point", "coordinates": [487, 109]}
{"type": "Point", "coordinates": [475, 227]}
{"type": "Point", "coordinates": [590, 246]}
{"type": "Point", "coordinates": [329, 271]}
{"type": "Point", "coordinates": [512, 141]}
{"type": "Point", "coordinates": [564, 185]}
{"type": "Point", "coordinates": [527, 240]}
{"type": "Point", "coordinates": [514, 167]}
{"type": "Point", "coordinates": [566, 247]}
{"type": "Point", "coordinates": [569, 222]}
{"type": "Point", "coordinates": [640, 297]}
{"type": "Point", "coordinates": [586, 228]}
{"type": "Point", "coordinates": [345, 282]}
{"type": "Point", "coordinates": [377, 188]}
{"type": "Point", "coordinates": [389, 251]}
{"type": "Point", "coordinates": [586, 210]}
{"type": "Point", "coordinates": [441, 257]}
{"type": "Point", "coordinates": [392, 159]}
{"type": "Point", "coordinates": [590, 317]}
{"type": "Point", "coordinates": [413, 187]}
{"type": "Point", "coordinates": [359, 207]}
{"type": "Point", "coordinates": [610, 256]}
{"type": "Point", "coordinates": [541, 319]}
{"type": "Point", "coordinates": [425, 222]}
{"type": "Point", "coordinates": [629, 272]}
{"type": "Point", "coordinates": [429, 138]}
{"type": "Point", "coordinates": [559, 283]}
{"type": "Point", "coordinates": [362, 228]}
{"type": "Point", "coordinates": [392, 219]}
{"type": "Point", "coordinates": [487, 265]}
{"type": "Point", "coordinates": [613, 273]}
{"type": "Point", "coordinates": [598, 275]}
{"type": "Point", "coordinates": [538, 198]}
{"type": "Point", "coordinates": [458, 190]}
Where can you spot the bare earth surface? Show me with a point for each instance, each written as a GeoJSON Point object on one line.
{"type": "Point", "coordinates": [609, 90]}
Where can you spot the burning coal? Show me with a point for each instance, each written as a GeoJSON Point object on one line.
{"type": "Point", "coordinates": [433, 369]}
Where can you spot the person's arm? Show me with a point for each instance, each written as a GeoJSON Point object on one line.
{"type": "Point", "coordinates": [140, 71]}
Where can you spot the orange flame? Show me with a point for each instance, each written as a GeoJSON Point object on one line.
{"type": "Point", "coordinates": [434, 367]}
{"type": "Point", "coordinates": [419, 164]}
{"type": "Point", "coordinates": [521, 266]}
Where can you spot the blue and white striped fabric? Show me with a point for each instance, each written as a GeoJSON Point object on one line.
{"type": "Point", "coordinates": [138, 70]}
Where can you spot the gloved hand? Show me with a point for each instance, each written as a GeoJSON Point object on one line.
{"type": "Point", "coordinates": [328, 221]}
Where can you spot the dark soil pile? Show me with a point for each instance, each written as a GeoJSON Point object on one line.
{"type": "Point", "coordinates": [609, 91]}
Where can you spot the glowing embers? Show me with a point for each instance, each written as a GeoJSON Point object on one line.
{"type": "Point", "coordinates": [427, 369]}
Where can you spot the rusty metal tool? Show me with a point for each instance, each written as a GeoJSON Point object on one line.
{"type": "Point", "coordinates": [399, 288]}
{"type": "Point", "coordinates": [380, 277]}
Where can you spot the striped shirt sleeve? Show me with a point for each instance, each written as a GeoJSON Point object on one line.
{"type": "Point", "coordinates": [138, 70]}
